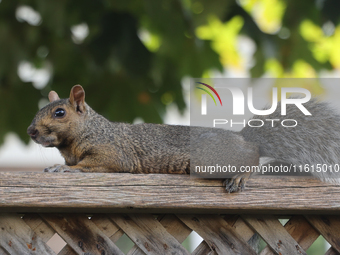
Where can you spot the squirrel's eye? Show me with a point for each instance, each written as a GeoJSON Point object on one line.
{"type": "Point", "coordinates": [60, 112]}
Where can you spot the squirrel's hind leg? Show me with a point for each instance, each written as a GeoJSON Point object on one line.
{"type": "Point", "coordinates": [236, 183]}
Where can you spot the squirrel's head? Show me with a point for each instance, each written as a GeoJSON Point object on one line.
{"type": "Point", "coordinates": [54, 124]}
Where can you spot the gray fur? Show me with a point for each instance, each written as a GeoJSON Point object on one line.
{"type": "Point", "coordinates": [315, 140]}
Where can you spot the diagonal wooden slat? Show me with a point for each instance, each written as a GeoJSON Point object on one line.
{"type": "Point", "coordinates": [81, 234]}
{"type": "Point", "coordinates": [332, 251]}
{"type": "Point", "coordinates": [36, 223]}
{"type": "Point", "coordinates": [203, 249]}
{"type": "Point", "coordinates": [328, 227]}
{"type": "Point", "coordinates": [16, 237]}
{"type": "Point", "coordinates": [136, 251]}
{"type": "Point", "coordinates": [149, 234]}
{"type": "Point", "coordinates": [3, 251]}
{"type": "Point", "coordinates": [67, 250]}
{"type": "Point", "coordinates": [113, 231]}
{"type": "Point", "coordinates": [231, 218]}
{"type": "Point", "coordinates": [240, 227]}
{"type": "Point", "coordinates": [274, 234]}
{"type": "Point", "coordinates": [107, 226]}
{"type": "Point", "coordinates": [173, 225]}
{"type": "Point", "coordinates": [301, 230]}
{"type": "Point", "coordinates": [220, 237]}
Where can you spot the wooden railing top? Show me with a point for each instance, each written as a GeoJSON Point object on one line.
{"type": "Point", "coordinates": [159, 193]}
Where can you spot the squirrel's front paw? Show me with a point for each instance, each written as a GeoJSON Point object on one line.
{"type": "Point", "coordinates": [60, 169]}
{"type": "Point", "coordinates": [236, 183]}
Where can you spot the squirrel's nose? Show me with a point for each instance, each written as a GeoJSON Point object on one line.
{"type": "Point", "coordinates": [32, 132]}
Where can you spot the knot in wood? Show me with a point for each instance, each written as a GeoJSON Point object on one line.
{"type": "Point", "coordinates": [195, 219]}
{"type": "Point", "coordinates": [146, 245]}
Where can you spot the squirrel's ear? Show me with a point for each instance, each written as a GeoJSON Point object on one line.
{"type": "Point", "coordinates": [53, 96]}
{"type": "Point", "coordinates": [77, 98]}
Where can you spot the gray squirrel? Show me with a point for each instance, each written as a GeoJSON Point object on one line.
{"type": "Point", "coordinates": [91, 143]}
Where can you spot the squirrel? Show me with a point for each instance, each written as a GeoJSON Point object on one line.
{"type": "Point", "coordinates": [91, 143]}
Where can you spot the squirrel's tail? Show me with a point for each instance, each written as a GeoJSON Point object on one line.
{"type": "Point", "coordinates": [314, 143]}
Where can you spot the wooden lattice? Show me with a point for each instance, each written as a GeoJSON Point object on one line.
{"type": "Point", "coordinates": [143, 218]}
{"type": "Point", "coordinates": [164, 234]}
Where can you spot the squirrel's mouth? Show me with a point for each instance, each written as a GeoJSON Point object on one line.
{"type": "Point", "coordinates": [49, 142]}
{"type": "Point", "coordinates": [35, 134]}
{"type": "Point", "coordinates": [44, 141]}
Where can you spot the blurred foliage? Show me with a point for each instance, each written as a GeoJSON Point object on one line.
{"type": "Point", "coordinates": [132, 55]}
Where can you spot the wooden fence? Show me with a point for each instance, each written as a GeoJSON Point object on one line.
{"type": "Point", "coordinates": [91, 212]}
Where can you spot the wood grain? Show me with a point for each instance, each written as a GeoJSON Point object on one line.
{"type": "Point", "coordinates": [3, 252]}
{"type": "Point", "coordinates": [44, 231]}
{"type": "Point", "coordinates": [107, 226]}
{"type": "Point", "coordinates": [203, 249]}
{"type": "Point", "coordinates": [274, 234]}
{"type": "Point", "coordinates": [149, 234]}
{"type": "Point", "coordinates": [239, 226]}
{"type": "Point", "coordinates": [17, 238]}
{"type": "Point", "coordinates": [35, 222]}
{"type": "Point", "coordinates": [220, 237]}
{"type": "Point", "coordinates": [332, 251]}
{"type": "Point", "coordinates": [301, 230]}
{"type": "Point", "coordinates": [81, 234]}
{"type": "Point", "coordinates": [173, 226]}
{"type": "Point", "coordinates": [161, 193]}
{"type": "Point", "coordinates": [328, 227]}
